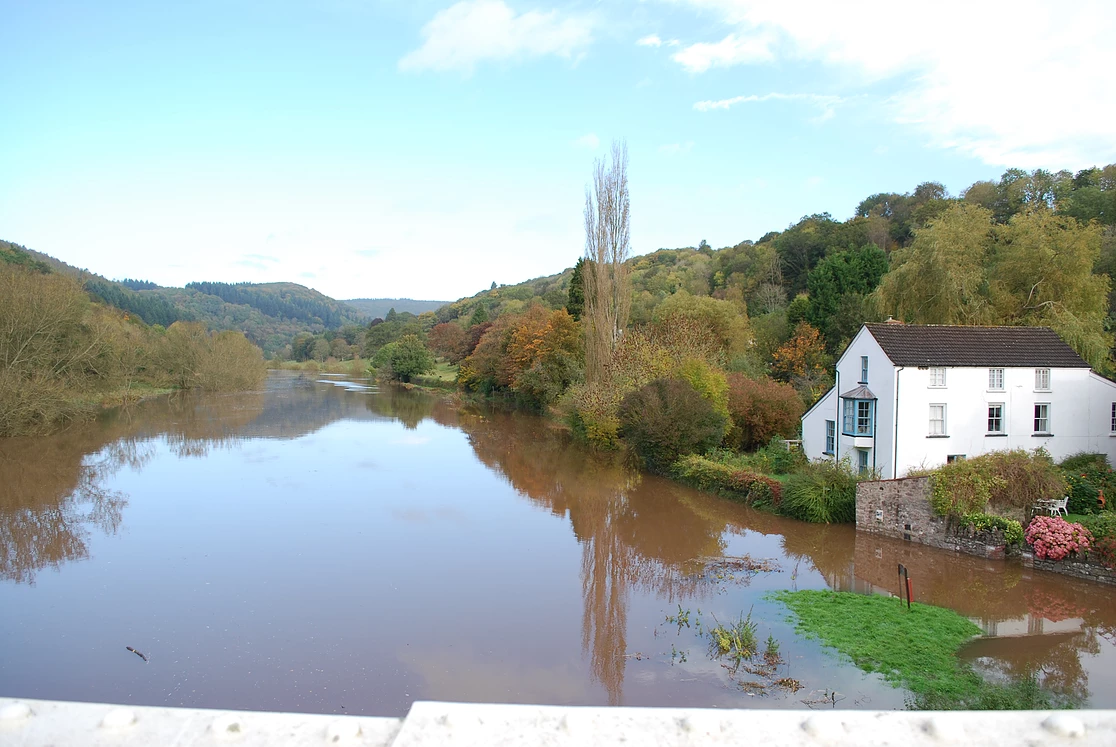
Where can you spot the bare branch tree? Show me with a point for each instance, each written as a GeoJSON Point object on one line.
{"type": "Point", "coordinates": [608, 295]}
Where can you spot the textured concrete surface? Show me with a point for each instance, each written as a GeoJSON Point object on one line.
{"type": "Point", "coordinates": [41, 722]}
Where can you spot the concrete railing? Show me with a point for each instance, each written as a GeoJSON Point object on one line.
{"type": "Point", "coordinates": [25, 723]}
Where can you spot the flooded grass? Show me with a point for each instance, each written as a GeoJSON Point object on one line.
{"type": "Point", "coordinates": [916, 649]}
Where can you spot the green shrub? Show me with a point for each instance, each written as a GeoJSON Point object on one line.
{"type": "Point", "coordinates": [1012, 529]}
{"type": "Point", "coordinates": [667, 418]}
{"type": "Point", "coordinates": [1084, 460]}
{"type": "Point", "coordinates": [823, 492]}
{"type": "Point", "coordinates": [739, 484]}
{"type": "Point", "coordinates": [1088, 477]}
{"type": "Point", "coordinates": [1006, 480]}
{"type": "Point", "coordinates": [404, 359]}
{"type": "Point", "coordinates": [1101, 525]}
{"type": "Point", "coordinates": [963, 487]}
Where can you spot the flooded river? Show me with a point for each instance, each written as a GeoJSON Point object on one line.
{"type": "Point", "coordinates": [329, 546]}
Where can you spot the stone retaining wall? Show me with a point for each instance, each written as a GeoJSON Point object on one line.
{"type": "Point", "coordinates": [901, 509]}
{"type": "Point", "coordinates": [1077, 567]}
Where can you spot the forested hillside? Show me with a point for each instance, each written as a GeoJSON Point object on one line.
{"type": "Point", "coordinates": [379, 307]}
{"type": "Point", "coordinates": [271, 315]}
{"type": "Point", "coordinates": [1031, 248]}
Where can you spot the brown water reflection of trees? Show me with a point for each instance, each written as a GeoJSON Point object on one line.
{"type": "Point", "coordinates": [631, 530]}
{"type": "Point", "coordinates": [52, 489]}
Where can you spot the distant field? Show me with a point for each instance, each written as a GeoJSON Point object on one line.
{"type": "Point", "coordinates": [379, 307]}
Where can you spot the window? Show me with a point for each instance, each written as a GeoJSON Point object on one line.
{"type": "Point", "coordinates": [996, 418]}
{"type": "Point", "coordinates": [937, 420]}
{"type": "Point", "coordinates": [863, 417]}
{"type": "Point", "coordinates": [862, 461]}
{"type": "Point", "coordinates": [950, 459]}
{"type": "Point", "coordinates": [1042, 418]}
{"type": "Point", "coordinates": [831, 436]}
{"type": "Point", "coordinates": [857, 417]}
{"type": "Point", "coordinates": [996, 379]}
{"type": "Point", "coordinates": [1114, 417]}
{"type": "Point", "coordinates": [1042, 379]}
{"type": "Point", "coordinates": [863, 369]}
{"type": "Point", "coordinates": [937, 377]}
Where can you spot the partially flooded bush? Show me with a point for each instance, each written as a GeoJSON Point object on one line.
{"type": "Point", "coordinates": [733, 482]}
{"type": "Point", "coordinates": [667, 418]}
{"type": "Point", "coordinates": [823, 492]}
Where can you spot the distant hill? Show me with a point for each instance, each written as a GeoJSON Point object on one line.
{"type": "Point", "coordinates": [269, 314]}
{"type": "Point", "coordinates": [379, 307]}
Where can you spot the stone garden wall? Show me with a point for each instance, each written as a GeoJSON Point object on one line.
{"type": "Point", "coordinates": [900, 509]}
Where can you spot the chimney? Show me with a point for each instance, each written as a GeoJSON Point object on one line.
{"type": "Point", "coordinates": [892, 321]}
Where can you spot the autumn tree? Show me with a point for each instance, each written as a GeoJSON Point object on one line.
{"type": "Point", "coordinates": [447, 340]}
{"type": "Point", "coordinates": [761, 409]}
{"type": "Point", "coordinates": [803, 362]}
{"type": "Point", "coordinates": [607, 245]}
{"type": "Point", "coordinates": [727, 321]}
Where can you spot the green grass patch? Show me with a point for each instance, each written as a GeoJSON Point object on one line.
{"type": "Point", "coordinates": [915, 649]}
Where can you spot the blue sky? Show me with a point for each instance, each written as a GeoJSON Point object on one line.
{"type": "Point", "coordinates": [426, 149]}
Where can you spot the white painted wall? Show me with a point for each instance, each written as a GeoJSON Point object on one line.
{"type": "Point", "coordinates": [813, 425]}
{"type": "Point", "coordinates": [881, 380]}
{"type": "Point", "coordinates": [1080, 412]}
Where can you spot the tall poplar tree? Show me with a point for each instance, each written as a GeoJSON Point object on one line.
{"type": "Point", "coordinates": [608, 290]}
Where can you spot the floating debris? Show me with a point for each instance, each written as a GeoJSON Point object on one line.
{"type": "Point", "coordinates": [137, 653]}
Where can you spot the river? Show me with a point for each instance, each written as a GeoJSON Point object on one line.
{"type": "Point", "coordinates": [327, 545]}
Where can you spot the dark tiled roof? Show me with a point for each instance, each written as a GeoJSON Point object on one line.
{"type": "Point", "coordinates": [931, 345]}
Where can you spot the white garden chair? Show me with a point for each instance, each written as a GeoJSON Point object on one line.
{"type": "Point", "coordinates": [1059, 507]}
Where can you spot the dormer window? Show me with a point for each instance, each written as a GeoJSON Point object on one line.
{"type": "Point", "coordinates": [863, 369]}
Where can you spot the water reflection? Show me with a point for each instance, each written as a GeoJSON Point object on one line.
{"type": "Point", "coordinates": [644, 542]}
{"type": "Point", "coordinates": [52, 497]}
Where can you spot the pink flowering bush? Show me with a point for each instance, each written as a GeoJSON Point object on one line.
{"type": "Point", "coordinates": [1054, 538]}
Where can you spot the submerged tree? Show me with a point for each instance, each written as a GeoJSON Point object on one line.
{"type": "Point", "coordinates": [608, 295]}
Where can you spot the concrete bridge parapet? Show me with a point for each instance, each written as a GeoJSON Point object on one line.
{"type": "Point", "coordinates": [48, 722]}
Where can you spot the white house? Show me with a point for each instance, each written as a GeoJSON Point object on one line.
{"type": "Point", "coordinates": [908, 396]}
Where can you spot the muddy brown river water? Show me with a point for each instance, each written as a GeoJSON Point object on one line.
{"type": "Point", "coordinates": [329, 546]}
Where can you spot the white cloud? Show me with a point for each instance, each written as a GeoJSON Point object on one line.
{"type": "Point", "coordinates": [472, 31]}
{"type": "Point", "coordinates": [651, 40]}
{"type": "Point", "coordinates": [1020, 82]}
{"type": "Point", "coordinates": [826, 104]}
{"type": "Point", "coordinates": [590, 141]}
{"type": "Point", "coordinates": [673, 149]}
{"type": "Point", "coordinates": [732, 50]}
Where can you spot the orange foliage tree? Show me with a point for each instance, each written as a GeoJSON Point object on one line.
{"type": "Point", "coordinates": [447, 340]}
{"type": "Point", "coordinates": [761, 409]}
{"type": "Point", "coordinates": [536, 355]}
